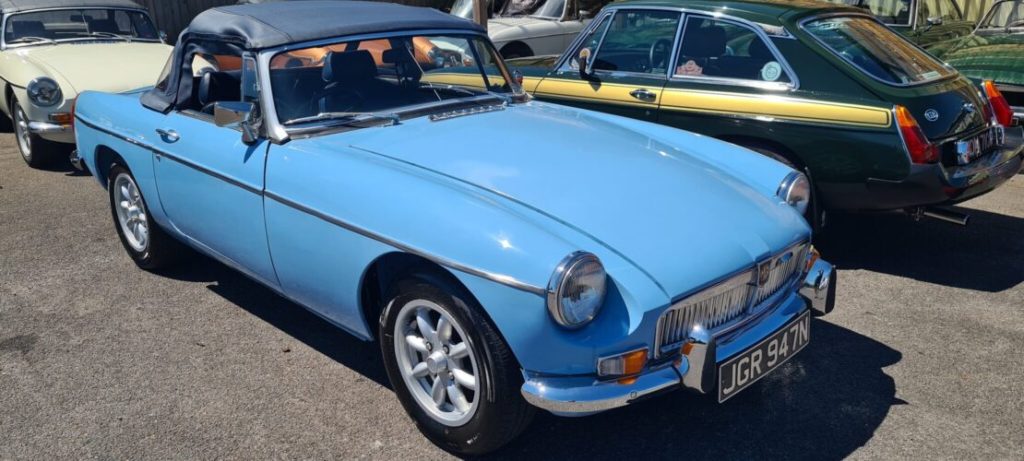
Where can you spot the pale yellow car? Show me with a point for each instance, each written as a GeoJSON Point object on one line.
{"type": "Point", "coordinates": [52, 50]}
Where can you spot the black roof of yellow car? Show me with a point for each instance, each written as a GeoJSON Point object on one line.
{"type": "Point", "coordinates": [15, 6]}
{"type": "Point", "coordinates": [762, 11]}
{"type": "Point", "coordinates": [266, 25]}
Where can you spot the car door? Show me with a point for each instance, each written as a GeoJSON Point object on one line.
{"type": "Point", "coordinates": [210, 182]}
{"type": "Point", "coordinates": [628, 69]}
{"type": "Point", "coordinates": [724, 69]}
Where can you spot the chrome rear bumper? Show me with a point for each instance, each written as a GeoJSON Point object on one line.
{"type": "Point", "coordinates": [695, 370]}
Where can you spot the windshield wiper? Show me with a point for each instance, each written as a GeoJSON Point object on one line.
{"type": "Point", "coordinates": [347, 117]}
{"type": "Point", "coordinates": [33, 39]}
{"type": "Point", "coordinates": [106, 35]}
{"type": "Point", "coordinates": [467, 92]}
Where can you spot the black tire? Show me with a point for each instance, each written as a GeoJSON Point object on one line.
{"type": "Point", "coordinates": [161, 249]}
{"type": "Point", "coordinates": [815, 214]}
{"type": "Point", "coordinates": [35, 151]}
{"type": "Point", "coordinates": [502, 413]}
{"type": "Point", "coordinates": [516, 50]}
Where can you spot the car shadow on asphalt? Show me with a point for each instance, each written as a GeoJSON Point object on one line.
{"type": "Point", "coordinates": [298, 322]}
{"type": "Point", "coordinates": [824, 404]}
{"type": "Point", "coordinates": [985, 255]}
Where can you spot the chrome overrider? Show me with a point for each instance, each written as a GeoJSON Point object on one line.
{"type": "Point", "coordinates": [695, 368]}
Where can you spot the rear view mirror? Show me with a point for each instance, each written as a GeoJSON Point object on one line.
{"type": "Point", "coordinates": [236, 113]}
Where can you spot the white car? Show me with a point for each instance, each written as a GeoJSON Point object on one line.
{"type": "Point", "coordinates": [52, 50]}
{"type": "Point", "coordinates": [523, 28]}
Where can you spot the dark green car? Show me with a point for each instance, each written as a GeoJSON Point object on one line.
{"type": "Point", "coordinates": [876, 123]}
{"type": "Point", "coordinates": [995, 51]}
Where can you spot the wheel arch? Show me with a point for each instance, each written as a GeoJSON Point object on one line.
{"type": "Point", "coordinates": [106, 157]}
{"type": "Point", "coordinates": [517, 45]}
{"type": "Point", "coordinates": [754, 142]}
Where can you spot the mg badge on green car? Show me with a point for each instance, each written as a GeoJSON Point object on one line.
{"type": "Point", "coordinates": [875, 122]}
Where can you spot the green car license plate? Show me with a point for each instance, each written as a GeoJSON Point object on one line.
{"type": "Point", "coordinates": [745, 369]}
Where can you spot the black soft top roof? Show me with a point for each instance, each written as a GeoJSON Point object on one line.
{"type": "Point", "coordinates": [14, 6]}
{"type": "Point", "coordinates": [267, 25]}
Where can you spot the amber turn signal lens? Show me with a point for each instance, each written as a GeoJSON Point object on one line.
{"type": "Point", "coordinates": [921, 150]}
{"type": "Point", "coordinates": [63, 118]}
{"type": "Point", "coordinates": [812, 258]}
{"type": "Point", "coordinates": [630, 363]}
{"type": "Point", "coordinates": [1002, 109]}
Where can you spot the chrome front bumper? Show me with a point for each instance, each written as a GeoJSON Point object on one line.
{"type": "Point", "coordinates": [47, 128]}
{"type": "Point", "coordinates": [696, 370]}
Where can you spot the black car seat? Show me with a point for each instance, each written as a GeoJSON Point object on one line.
{"type": "Point", "coordinates": [218, 86]}
{"type": "Point", "coordinates": [704, 45]}
{"type": "Point", "coordinates": [28, 29]}
{"type": "Point", "coordinates": [351, 78]}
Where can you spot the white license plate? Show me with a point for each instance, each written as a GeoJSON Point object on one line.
{"type": "Point", "coordinates": [745, 369]}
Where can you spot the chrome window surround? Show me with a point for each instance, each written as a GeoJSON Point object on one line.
{"type": "Point", "coordinates": [277, 132]}
{"type": "Point", "coordinates": [6, 19]}
{"type": "Point", "coordinates": [822, 44]}
{"type": "Point", "coordinates": [563, 63]}
{"type": "Point", "coordinates": [794, 80]}
{"type": "Point", "coordinates": [755, 305]}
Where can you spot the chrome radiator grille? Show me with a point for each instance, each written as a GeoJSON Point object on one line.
{"type": "Point", "coordinates": [731, 300]}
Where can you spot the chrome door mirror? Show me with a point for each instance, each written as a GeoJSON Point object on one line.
{"type": "Point", "coordinates": [163, 36]}
{"type": "Point", "coordinates": [231, 114]}
{"type": "Point", "coordinates": [583, 62]}
{"type": "Point", "coordinates": [935, 21]}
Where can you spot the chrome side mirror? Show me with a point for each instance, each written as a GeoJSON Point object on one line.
{"type": "Point", "coordinates": [236, 113]}
{"type": "Point", "coordinates": [934, 21]}
{"type": "Point", "coordinates": [163, 36]}
{"type": "Point", "coordinates": [583, 62]}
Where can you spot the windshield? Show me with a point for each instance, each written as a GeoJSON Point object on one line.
{"type": "Point", "coordinates": [1004, 16]}
{"type": "Point", "coordinates": [78, 24]}
{"type": "Point", "coordinates": [349, 79]}
{"type": "Point", "coordinates": [539, 8]}
{"type": "Point", "coordinates": [876, 50]}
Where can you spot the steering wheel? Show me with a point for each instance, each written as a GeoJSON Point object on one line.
{"type": "Point", "coordinates": [658, 54]}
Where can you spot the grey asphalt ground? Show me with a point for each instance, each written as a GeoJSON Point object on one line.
{"type": "Point", "coordinates": [923, 358]}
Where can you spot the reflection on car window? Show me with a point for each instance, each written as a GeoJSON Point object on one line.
{"type": "Point", "coordinates": [638, 41]}
{"type": "Point", "coordinates": [937, 9]}
{"type": "Point", "coordinates": [717, 48]}
{"type": "Point", "coordinates": [877, 50]}
{"type": "Point", "coordinates": [590, 42]}
{"type": "Point", "coordinates": [1005, 15]}
{"type": "Point", "coordinates": [383, 75]}
{"type": "Point", "coordinates": [887, 11]}
{"type": "Point", "coordinates": [78, 24]}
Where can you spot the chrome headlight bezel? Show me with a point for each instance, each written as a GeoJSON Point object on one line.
{"type": "Point", "coordinates": [795, 191]}
{"type": "Point", "coordinates": [568, 271]}
{"type": "Point", "coordinates": [44, 92]}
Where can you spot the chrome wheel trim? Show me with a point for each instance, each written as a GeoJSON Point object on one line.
{"type": "Point", "coordinates": [22, 132]}
{"type": "Point", "coordinates": [436, 362]}
{"type": "Point", "coordinates": [131, 212]}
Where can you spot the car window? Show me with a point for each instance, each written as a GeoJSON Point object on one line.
{"type": "Point", "coordinates": [78, 24]}
{"type": "Point", "coordinates": [383, 75]}
{"type": "Point", "coordinates": [942, 9]}
{"type": "Point", "coordinates": [876, 50]}
{"type": "Point", "coordinates": [638, 41]}
{"type": "Point", "coordinates": [725, 49]}
{"type": "Point", "coordinates": [591, 41]}
{"type": "Point", "coordinates": [895, 12]}
{"type": "Point", "coordinates": [1005, 16]}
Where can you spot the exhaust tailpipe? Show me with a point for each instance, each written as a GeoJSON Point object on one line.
{"type": "Point", "coordinates": [941, 214]}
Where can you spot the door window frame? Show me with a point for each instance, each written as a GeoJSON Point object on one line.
{"type": "Point", "coordinates": [563, 65]}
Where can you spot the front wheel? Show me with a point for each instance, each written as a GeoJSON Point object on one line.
{"type": "Point", "coordinates": [452, 372]}
{"type": "Point", "coordinates": [35, 151]}
{"type": "Point", "coordinates": [144, 241]}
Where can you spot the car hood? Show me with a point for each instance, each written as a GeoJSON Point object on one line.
{"type": "Point", "coordinates": [501, 26]}
{"type": "Point", "coordinates": [989, 57]}
{"type": "Point", "coordinates": [661, 207]}
{"type": "Point", "coordinates": [107, 67]}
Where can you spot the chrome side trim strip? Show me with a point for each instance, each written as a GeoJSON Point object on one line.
{"type": "Point", "coordinates": [498, 278]}
{"type": "Point", "coordinates": [494, 277]}
{"type": "Point", "coordinates": [169, 156]}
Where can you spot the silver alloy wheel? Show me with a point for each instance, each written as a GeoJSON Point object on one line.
{"type": "Point", "coordinates": [131, 212]}
{"type": "Point", "coordinates": [22, 132]}
{"type": "Point", "coordinates": [437, 364]}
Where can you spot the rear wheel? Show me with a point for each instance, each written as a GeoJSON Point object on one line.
{"type": "Point", "coordinates": [452, 372]}
{"type": "Point", "coordinates": [35, 151]}
{"type": "Point", "coordinates": [144, 241]}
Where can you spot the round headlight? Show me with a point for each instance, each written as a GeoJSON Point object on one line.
{"type": "Point", "coordinates": [796, 191]}
{"type": "Point", "coordinates": [43, 91]}
{"type": "Point", "coordinates": [576, 290]}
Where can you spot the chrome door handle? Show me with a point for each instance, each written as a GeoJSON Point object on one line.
{"type": "Point", "coordinates": [643, 94]}
{"type": "Point", "coordinates": [168, 135]}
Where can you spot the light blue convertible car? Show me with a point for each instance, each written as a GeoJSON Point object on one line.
{"type": "Point", "coordinates": [379, 165]}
